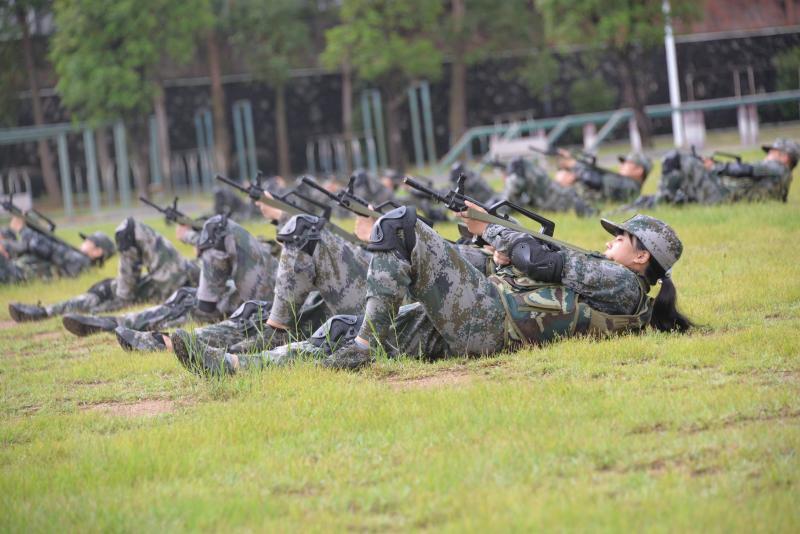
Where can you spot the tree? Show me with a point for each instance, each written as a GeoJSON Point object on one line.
{"type": "Point", "coordinates": [390, 43]}
{"type": "Point", "coordinates": [628, 32]}
{"type": "Point", "coordinates": [14, 17]}
{"type": "Point", "coordinates": [222, 143]}
{"type": "Point", "coordinates": [474, 30]}
{"type": "Point", "coordinates": [109, 56]}
{"type": "Point", "coordinates": [273, 36]}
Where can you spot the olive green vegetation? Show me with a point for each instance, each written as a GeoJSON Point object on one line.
{"type": "Point", "coordinates": [644, 432]}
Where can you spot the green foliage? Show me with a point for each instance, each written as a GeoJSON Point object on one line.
{"type": "Point", "coordinates": [591, 93]}
{"type": "Point", "coordinates": [107, 54]}
{"type": "Point", "coordinates": [12, 80]}
{"type": "Point", "coordinates": [613, 24]}
{"type": "Point", "coordinates": [490, 26]}
{"type": "Point", "coordinates": [386, 40]}
{"type": "Point", "coordinates": [273, 35]}
{"type": "Point", "coordinates": [787, 64]}
{"type": "Point", "coordinates": [538, 73]}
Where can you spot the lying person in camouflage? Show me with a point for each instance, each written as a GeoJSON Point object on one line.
{"type": "Point", "coordinates": [235, 267]}
{"type": "Point", "coordinates": [537, 295]}
{"type": "Point", "coordinates": [687, 178]}
{"type": "Point", "coordinates": [596, 185]}
{"type": "Point", "coordinates": [527, 184]}
{"type": "Point", "coordinates": [140, 247]}
{"type": "Point", "coordinates": [35, 255]}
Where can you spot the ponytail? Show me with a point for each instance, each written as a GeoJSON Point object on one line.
{"type": "Point", "coordinates": [665, 317]}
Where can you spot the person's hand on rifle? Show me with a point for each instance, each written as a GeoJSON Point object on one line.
{"type": "Point", "coordinates": [3, 251]}
{"type": "Point", "coordinates": [16, 224]}
{"type": "Point", "coordinates": [565, 178]}
{"type": "Point", "coordinates": [364, 226]}
{"type": "Point", "coordinates": [181, 231]}
{"type": "Point", "coordinates": [565, 159]}
{"type": "Point", "coordinates": [708, 163]}
{"type": "Point", "coordinates": [475, 227]}
{"type": "Point", "coordinates": [269, 213]}
{"type": "Point", "coordinates": [500, 259]}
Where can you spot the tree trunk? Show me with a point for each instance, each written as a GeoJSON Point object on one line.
{"type": "Point", "coordinates": [458, 76]}
{"type": "Point", "coordinates": [51, 184]}
{"type": "Point", "coordinates": [632, 97]}
{"type": "Point", "coordinates": [137, 153]}
{"type": "Point", "coordinates": [162, 134]}
{"type": "Point", "coordinates": [396, 154]}
{"type": "Point", "coordinates": [347, 110]}
{"type": "Point", "coordinates": [282, 132]}
{"type": "Point", "coordinates": [222, 142]}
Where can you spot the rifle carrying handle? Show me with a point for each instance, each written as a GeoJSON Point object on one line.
{"type": "Point", "coordinates": [548, 226]}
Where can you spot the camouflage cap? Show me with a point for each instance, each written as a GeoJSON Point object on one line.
{"type": "Point", "coordinates": [790, 147]}
{"type": "Point", "coordinates": [658, 238]}
{"type": "Point", "coordinates": [101, 240]}
{"type": "Point", "coordinates": [639, 159]}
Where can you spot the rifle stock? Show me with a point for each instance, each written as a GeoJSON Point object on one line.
{"type": "Point", "coordinates": [173, 214]}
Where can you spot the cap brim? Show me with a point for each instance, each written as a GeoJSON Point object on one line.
{"type": "Point", "coordinates": [83, 236]}
{"type": "Point", "coordinates": [766, 148]}
{"type": "Point", "coordinates": [611, 227]}
{"type": "Point", "coordinates": [622, 159]}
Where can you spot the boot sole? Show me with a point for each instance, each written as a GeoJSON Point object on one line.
{"type": "Point", "coordinates": [19, 317]}
{"type": "Point", "coordinates": [74, 325]}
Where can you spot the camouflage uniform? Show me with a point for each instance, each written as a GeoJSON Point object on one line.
{"type": "Point", "coordinates": [685, 179]}
{"type": "Point", "coordinates": [36, 256]}
{"type": "Point", "coordinates": [462, 311]}
{"type": "Point", "coordinates": [528, 185]}
{"type": "Point", "coordinates": [139, 247]}
{"type": "Point", "coordinates": [597, 185]}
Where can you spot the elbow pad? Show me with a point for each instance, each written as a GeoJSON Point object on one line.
{"type": "Point", "coordinates": [738, 170]}
{"type": "Point", "coordinates": [537, 261]}
{"type": "Point", "coordinates": [41, 247]}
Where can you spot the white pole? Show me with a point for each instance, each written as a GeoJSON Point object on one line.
{"type": "Point", "coordinates": [672, 75]}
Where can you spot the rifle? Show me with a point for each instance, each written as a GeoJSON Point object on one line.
{"type": "Point", "coordinates": [455, 200]}
{"type": "Point", "coordinates": [34, 220]}
{"type": "Point", "coordinates": [716, 154]}
{"type": "Point", "coordinates": [281, 202]}
{"type": "Point", "coordinates": [347, 199]}
{"type": "Point", "coordinates": [585, 159]}
{"type": "Point", "coordinates": [173, 214]}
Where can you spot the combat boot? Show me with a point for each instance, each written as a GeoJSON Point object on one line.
{"type": "Point", "coordinates": [198, 357]}
{"type": "Point", "coordinates": [130, 339]}
{"type": "Point", "coordinates": [26, 312]}
{"type": "Point", "coordinates": [349, 356]}
{"type": "Point", "coordinates": [85, 325]}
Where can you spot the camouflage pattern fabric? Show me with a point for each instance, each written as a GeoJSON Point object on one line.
{"type": "Point", "coordinates": [536, 190]}
{"type": "Point", "coordinates": [36, 256]}
{"type": "Point", "coordinates": [612, 187]}
{"type": "Point", "coordinates": [10, 272]}
{"type": "Point", "coordinates": [175, 311]}
{"type": "Point", "coordinates": [770, 180]}
{"type": "Point", "coordinates": [461, 302]}
{"type": "Point", "coordinates": [337, 269]}
{"type": "Point", "coordinates": [166, 269]}
{"type": "Point", "coordinates": [688, 181]}
{"type": "Point", "coordinates": [246, 261]}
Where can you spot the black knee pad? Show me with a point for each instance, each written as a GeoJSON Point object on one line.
{"type": "Point", "coordinates": [337, 330]}
{"type": "Point", "coordinates": [126, 235]}
{"type": "Point", "coordinates": [103, 289]}
{"type": "Point", "coordinates": [181, 296]}
{"type": "Point", "coordinates": [671, 162]}
{"type": "Point", "coordinates": [395, 232]}
{"type": "Point", "coordinates": [252, 308]}
{"type": "Point", "coordinates": [213, 234]}
{"type": "Point", "coordinates": [302, 232]}
{"type": "Point", "coordinates": [537, 261]}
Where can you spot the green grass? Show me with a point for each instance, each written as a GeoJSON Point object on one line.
{"type": "Point", "coordinates": [651, 432]}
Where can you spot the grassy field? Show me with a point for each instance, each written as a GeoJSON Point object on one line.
{"type": "Point", "coordinates": [651, 432]}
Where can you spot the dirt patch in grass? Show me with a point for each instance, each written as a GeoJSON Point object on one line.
{"type": "Point", "coordinates": [445, 378]}
{"type": "Point", "coordinates": [145, 408]}
{"type": "Point", "coordinates": [47, 336]}
{"type": "Point", "coordinates": [5, 325]}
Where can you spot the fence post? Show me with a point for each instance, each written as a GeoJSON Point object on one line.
{"type": "Point", "coordinates": [123, 170]}
{"type": "Point", "coordinates": [66, 183]}
{"type": "Point", "coordinates": [416, 132]}
{"type": "Point", "coordinates": [91, 170]}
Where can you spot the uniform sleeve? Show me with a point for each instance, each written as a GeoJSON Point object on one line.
{"type": "Point", "coordinates": [501, 238]}
{"type": "Point", "coordinates": [758, 170]}
{"type": "Point", "coordinates": [604, 284]}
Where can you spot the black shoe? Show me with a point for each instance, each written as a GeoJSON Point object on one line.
{"type": "Point", "coordinates": [130, 339]}
{"type": "Point", "coordinates": [84, 325]}
{"type": "Point", "coordinates": [26, 312]}
{"type": "Point", "coordinates": [349, 356]}
{"type": "Point", "coordinates": [198, 357]}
